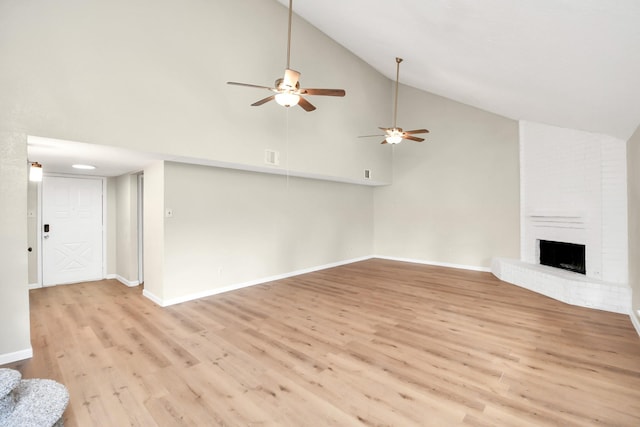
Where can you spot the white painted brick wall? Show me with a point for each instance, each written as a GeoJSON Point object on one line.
{"type": "Point", "coordinates": [575, 174]}
{"type": "Point", "coordinates": [573, 189]}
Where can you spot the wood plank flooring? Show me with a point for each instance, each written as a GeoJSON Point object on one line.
{"type": "Point", "coordinates": [374, 343]}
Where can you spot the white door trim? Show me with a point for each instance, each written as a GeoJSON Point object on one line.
{"type": "Point", "coordinates": [140, 228]}
{"type": "Point", "coordinates": [104, 220]}
{"type": "Point", "coordinates": [38, 241]}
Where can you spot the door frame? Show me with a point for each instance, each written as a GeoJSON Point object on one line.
{"type": "Point", "coordinates": [141, 228]}
{"type": "Point", "coordinates": [38, 241]}
{"type": "Point", "coordinates": [104, 220]}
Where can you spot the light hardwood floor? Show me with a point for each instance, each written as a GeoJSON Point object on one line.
{"type": "Point", "coordinates": [375, 343]}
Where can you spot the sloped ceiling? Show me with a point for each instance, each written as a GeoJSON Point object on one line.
{"type": "Point", "coordinates": [569, 63]}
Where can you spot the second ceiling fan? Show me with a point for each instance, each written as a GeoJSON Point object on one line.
{"type": "Point", "coordinates": [395, 134]}
{"type": "Point", "coordinates": [287, 89]}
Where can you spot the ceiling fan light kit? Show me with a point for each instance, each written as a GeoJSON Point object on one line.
{"type": "Point", "coordinates": [287, 89]}
{"type": "Point", "coordinates": [394, 137]}
{"type": "Point", "coordinates": [287, 99]}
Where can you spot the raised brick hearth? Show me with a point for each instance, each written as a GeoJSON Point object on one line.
{"type": "Point", "coordinates": [566, 286]}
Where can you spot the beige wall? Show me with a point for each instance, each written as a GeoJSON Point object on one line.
{"type": "Point", "coordinates": [633, 189]}
{"type": "Point", "coordinates": [14, 292]}
{"type": "Point", "coordinates": [230, 227]}
{"type": "Point", "coordinates": [127, 228]}
{"type": "Point", "coordinates": [455, 197]}
{"type": "Point", "coordinates": [153, 224]}
{"type": "Point", "coordinates": [151, 75]}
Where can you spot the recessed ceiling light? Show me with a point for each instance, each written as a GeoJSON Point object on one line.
{"type": "Point", "coordinates": [87, 167]}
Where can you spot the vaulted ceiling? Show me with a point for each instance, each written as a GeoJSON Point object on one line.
{"type": "Point", "coordinates": [569, 63]}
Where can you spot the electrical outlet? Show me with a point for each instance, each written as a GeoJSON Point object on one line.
{"type": "Point", "coordinates": [168, 212]}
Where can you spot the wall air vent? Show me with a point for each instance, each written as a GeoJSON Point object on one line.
{"type": "Point", "coordinates": [272, 157]}
{"type": "Point", "coordinates": [367, 174]}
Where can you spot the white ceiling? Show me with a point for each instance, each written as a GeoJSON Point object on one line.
{"type": "Point", "coordinates": [569, 63]}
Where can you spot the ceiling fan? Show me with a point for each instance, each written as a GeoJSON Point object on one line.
{"type": "Point", "coordinates": [287, 89]}
{"type": "Point", "coordinates": [395, 134]}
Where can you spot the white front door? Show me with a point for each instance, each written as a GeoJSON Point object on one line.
{"type": "Point", "coordinates": [71, 230]}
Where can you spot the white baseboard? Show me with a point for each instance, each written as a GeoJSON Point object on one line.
{"type": "Point", "coordinates": [16, 355]}
{"type": "Point", "coordinates": [129, 283]}
{"type": "Point", "coordinates": [119, 278]}
{"type": "Point", "coordinates": [436, 263]}
{"type": "Point", "coordinates": [635, 320]}
{"type": "Point", "coordinates": [34, 286]}
{"type": "Point", "coordinates": [153, 298]}
{"type": "Point", "coordinates": [209, 292]}
{"type": "Point", "coordinates": [233, 287]}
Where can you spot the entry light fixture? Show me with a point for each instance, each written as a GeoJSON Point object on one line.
{"type": "Point", "coordinates": [35, 172]}
{"type": "Point", "coordinates": [83, 167]}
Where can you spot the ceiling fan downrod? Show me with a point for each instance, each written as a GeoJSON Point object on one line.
{"type": "Point", "coordinates": [289, 35]}
{"type": "Point", "coordinates": [395, 107]}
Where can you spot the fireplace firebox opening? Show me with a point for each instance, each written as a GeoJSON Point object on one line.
{"type": "Point", "coordinates": [568, 256]}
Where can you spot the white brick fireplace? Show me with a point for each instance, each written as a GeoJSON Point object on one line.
{"type": "Point", "coordinates": [573, 190]}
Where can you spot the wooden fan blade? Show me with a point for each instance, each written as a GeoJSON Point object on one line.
{"type": "Point", "coordinates": [384, 141]}
{"type": "Point", "coordinates": [368, 136]}
{"type": "Point", "coordinates": [306, 105]}
{"type": "Point", "coordinates": [323, 92]}
{"type": "Point", "coordinates": [384, 129]}
{"type": "Point", "coordinates": [411, 132]}
{"type": "Point", "coordinates": [413, 138]}
{"type": "Point", "coordinates": [249, 85]}
{"type": "Point", "coordinates": [263, 101]}
{"type": "Point", "coordinates": [291, 78]}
